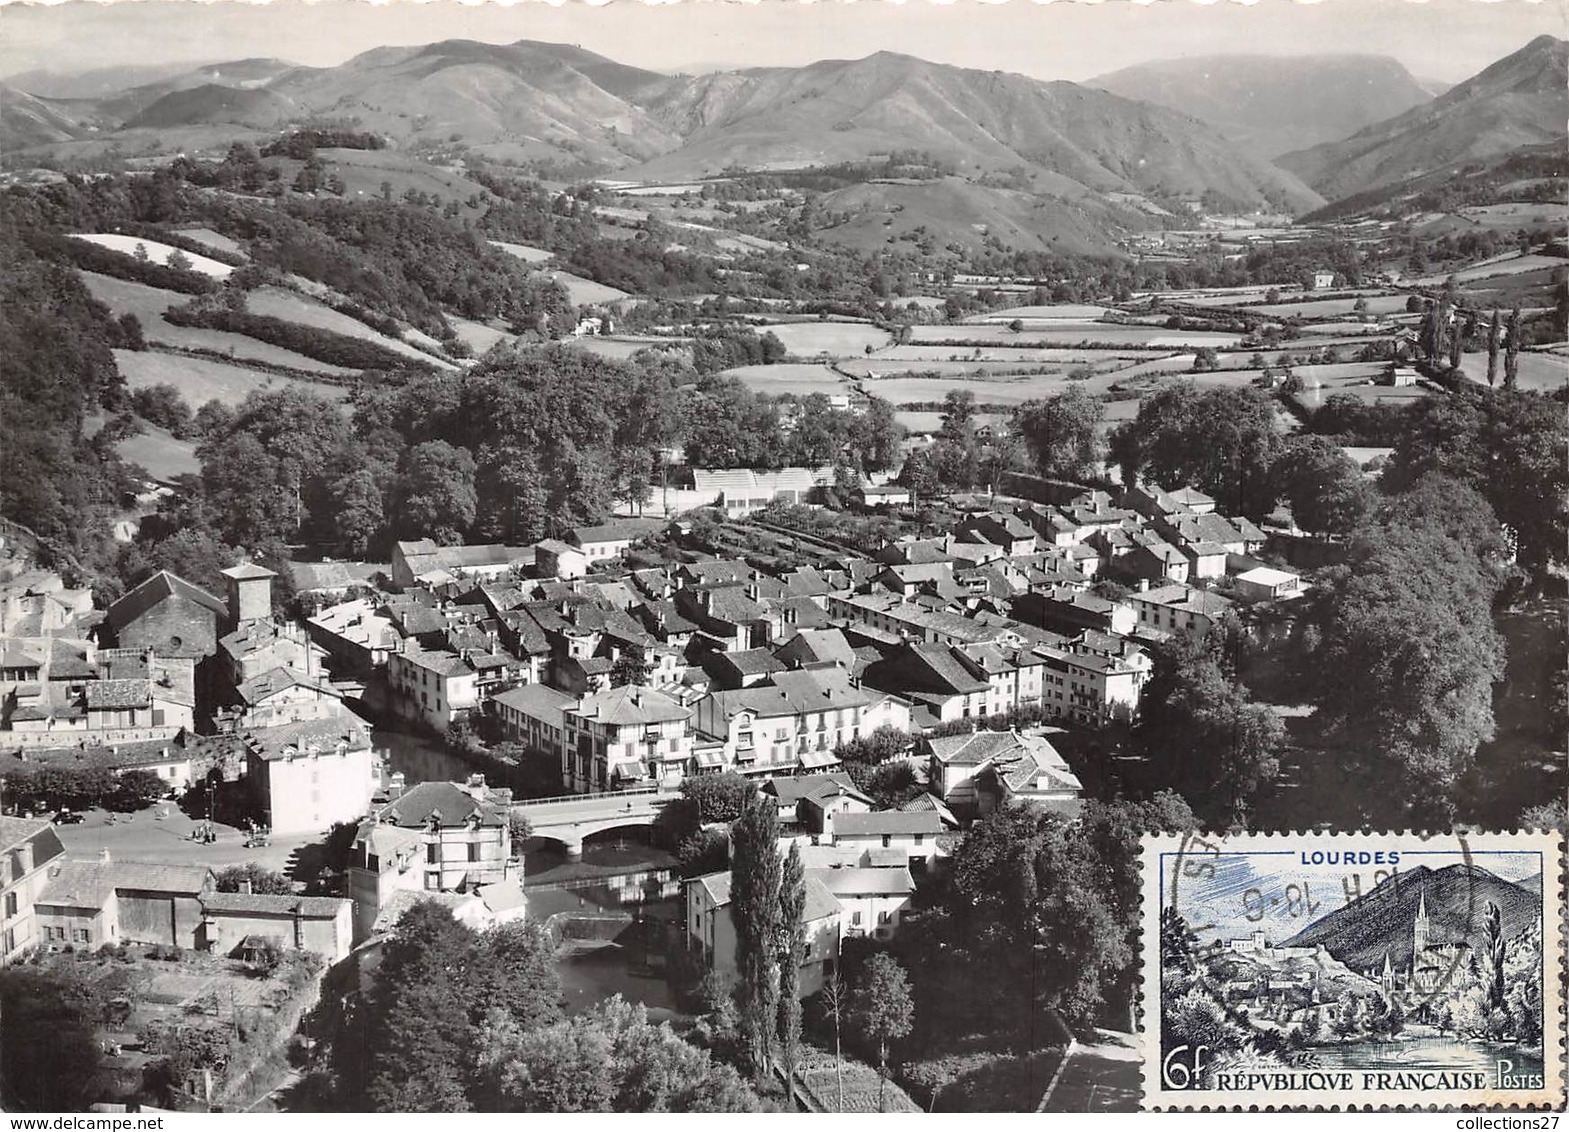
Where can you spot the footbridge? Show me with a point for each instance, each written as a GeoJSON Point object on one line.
{"type": "Point", "coordinates": [571, 818]}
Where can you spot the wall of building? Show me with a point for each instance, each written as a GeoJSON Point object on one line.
{"type": "Point", "coordinates": [331, 939]}
{"type": "Point", "coordinates": [157, 917]}
{"type": "Point", "coordinates": [176, 626]}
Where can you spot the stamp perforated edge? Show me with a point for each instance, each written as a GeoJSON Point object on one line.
{"type": "Point", "coordinates": [1555, 975]}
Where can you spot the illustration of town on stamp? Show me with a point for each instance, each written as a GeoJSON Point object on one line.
{"type": "Point", "coordinates": [1363, 970]}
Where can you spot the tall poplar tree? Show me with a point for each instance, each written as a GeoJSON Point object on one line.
{"type": "Point", "coordinates": [1495, 334]}
{"type": "Point", "coordinates": [792, 952]}
{"type": "Point", "coordinates": [1512, 351]}
{"type": "Point", "coordinates": [754, 910]}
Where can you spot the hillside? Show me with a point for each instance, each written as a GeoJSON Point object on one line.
{"type": "Point", "coordinates": [212, 104]}
{"type": "Point", "coordinates": [1273, 104]}
{"type": "Point", "coordinates": [949, 210]}
{"type": "Point", "coordinates": [540, 99]}
{"type": "Point", "coordinates": [1456, 896]}
{"type": "Point", "coordinates": [837, 111]}
{"type": "Point", "coordinates": [26, 120]}
{"type": "Point", "coordinates": [1521, 100]}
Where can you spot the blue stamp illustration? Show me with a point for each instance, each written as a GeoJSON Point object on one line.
{"type": "Point", "coordinates": [1345, 970]}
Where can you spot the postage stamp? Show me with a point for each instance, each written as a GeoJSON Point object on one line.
{"type": "Point", "coordinates": [1352, 970]}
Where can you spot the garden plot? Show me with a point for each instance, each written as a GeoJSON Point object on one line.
{"type": "Point", "coordinates": [523, 251]}
{"type": "Point", "coordinates": [156, 252]}
{"type": "Point", "coordinates": [836, 339]}
{"type": "Point", "coordinates": [1355, 379]}
{"type": "Point", "coordinates": [164, 457]}
{"type": "Point", "coordinates": [200, 380]}
{"type": "Point", "coordinates": [148, 304]}
{"type": "Point", "coordinates": [274, 302]}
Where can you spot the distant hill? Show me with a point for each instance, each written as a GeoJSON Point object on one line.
{"type": "Point", "coordinates": [26, 120]}
{"type": "Point", "coordinates": [544, 99]}
{"type": "Point", "coordinates": [1521, 100]}
{"type": "Point", "coordinates": [838, 110]}
{"type": "Point", "coordinates": [1273, 104]}
{"type": "Point", "coordinates": [97, 82]}
{"type": "Point", "coordinates": [214, 105]}
{"type": "Point", "coordinates": [239, 74]}
{"type": "Point", "coordinates": [1359, 934]}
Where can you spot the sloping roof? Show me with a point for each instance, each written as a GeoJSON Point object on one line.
{"type": "Point", "coordinates": [14, 831]}
{"type": "Point", "coordinates": [746, 662]}
{"type": "Point", "coordinates": [793, 789]}
{"type": "Point", "coordinates": [885, 821]}
{"type": "Point", "coordinates": [532, 699]}
{"type": "Point", "coordinates": [137, 601]}
{"type": "Point", "coordinates": [972, 749]}
{"type": "Point", "coordinates": [449, 803]}
{"type": "Point", "coordinates": [933, 803]}
{"type": "Point", "coordinates": [820, 903]}
{"type": "Point", "coordinates": [630, 704]}
{"type": "Point", "coordinates": [617, 530]}
{"type": "Point", "coordinates": [274, 681]}
{"type": "Point", "coordinates": [819, 646]}
{"type": "Point", "coordinates": [503, 896]}
{"type": "Point", "coordinates": [157, 876]}
{"type": "Point", "coordinates": [855, 881]}
{"type": "Point", "coordinates": [78, 884]}
{"type": "Point", "coordinates": [248, 571]}
{"type": "Point", "coordinates": [267, 904]}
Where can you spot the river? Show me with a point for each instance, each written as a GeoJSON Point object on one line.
{"type": "Point", "coordinates": [418, 759]}
{"type": "Point", "coordinates": [1452, 1054]}
{"type": "Point", "coordinates": [618, 881]}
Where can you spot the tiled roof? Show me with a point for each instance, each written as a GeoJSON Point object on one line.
{"type": "Point", "coordinates": [617, 530]}
{"type": "Point", "coordinates": [78, 884]}
{"type": "Point", "coordinates": [972, 749]}
{"type": "Point", "coordinates": [503, 896]}
{"type": "Point", "coordinates": [792, 790]}
{"type": "Point", "coordinates": [248, 571]}
{"type": "Point", "coordinates": [266, 904]}
{"type": "Point", "coordinates": [632, 704]}
{"type": "Point", "coordinates": [14, 831]}
{"type": "Point", "coordinates": [112, 695]}
{"type": "Point", "coordinates": [446, 801]}
{"type": "Point", "coordinates": [137, 601]}
{"type": "Point", "coordinates": [157, 876]}
{"type": "Point", "coordinates": [865, 882]}
{"type": "Point", "coordinates": [817, 646]}
{"type": "Point", "coordinates": [885, 821]}
{"type": "Point", "coordinates": [820, 903]}
{"type": "Point", "coordinates": [534, 699]}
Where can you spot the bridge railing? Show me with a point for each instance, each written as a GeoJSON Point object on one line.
{"type": "Point", "coordinates": [602, 796]}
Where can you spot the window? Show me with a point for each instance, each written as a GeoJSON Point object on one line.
{"type": "Point", "coordinates": [80, 935]}
{"type": "Point", "coordinates": [473, 850]}
{"type": "Point", "coordinates": [855, 919]}
{"type": "Point", "coordinates": [885, 917]}
{"type": "Point", "coordinates": [887, 840]}
{"type": "Point", "coordinates": [433, 853]}
{"type": "Point", "coordinates": [10, 905]}
{"type": "Point", "coordinates": [919, 838]}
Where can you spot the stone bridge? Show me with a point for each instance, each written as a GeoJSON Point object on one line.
{"type": "Point", "coordinates": [574, 817]}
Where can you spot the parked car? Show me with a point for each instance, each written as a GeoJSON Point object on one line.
{"type": "Point", "coordinates": [67, 817]}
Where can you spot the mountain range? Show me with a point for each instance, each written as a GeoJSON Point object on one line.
{"type": "Point", "coordinates": [1273, 104]}
{"type": "Point", "coordinates": [1166, 132]}
{"type": "Point", "coordinates": [1521, 100]}
{"type": "Point", "coordinates": [1456, 898]}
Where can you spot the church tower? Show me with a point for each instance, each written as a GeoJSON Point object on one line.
{"type": "Point", "coordinates": [1419, 932]}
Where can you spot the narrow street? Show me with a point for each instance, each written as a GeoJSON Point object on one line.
{"type": "Point", "coordinates": [1101, 1076]}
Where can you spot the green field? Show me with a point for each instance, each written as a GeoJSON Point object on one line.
{"type": "Point", "coordinates": [275, 302]}
{"type": "Point", "coordinates": [149, 303]}
{"type": "Point", "coordinates": [1071, 334]}
{"type": "Point", "coordinates": [790, 377]}
{"type": "Point", "coordinates": [214, 240]}
{"type": "Point", "coordinates": [1542, 372]}
{"type": "Point", "coordinates": [584, 292]}
{"type": "Point", "coordinates": [200, 380]}
{"type": "Point", "coordinates": [523, 251]}
{"type": "Point", "coordinates": [1324, 308]}
{"type": "Point", "coordinates": [1070, 312]}
{"type": "Point", "coordinates": [476, 335]}
{"type": "Point", "coordinates": [836, 339]}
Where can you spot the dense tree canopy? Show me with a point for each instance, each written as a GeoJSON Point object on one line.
{"type": "Point", "coordinates": [1063, 434]}
{"type": "Point", "coordinates": [1222, 441]}
{"type": "Point", "coordinates": [1409, 653]}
